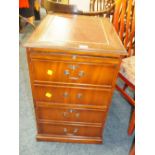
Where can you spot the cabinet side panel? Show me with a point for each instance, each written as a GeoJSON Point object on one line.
{"type": "Point", "coordinates": [28, 51]}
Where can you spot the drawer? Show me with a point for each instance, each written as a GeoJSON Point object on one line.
{"type": "Point", "coordinates": [71, 95]}
{"type": "Point", "coordinates": [68, 72]}
{"type": "Point", "coordinates": [59, 113]}
{"type": "Point", "coordinates": [71, 57]}
{"type": "Point", "coordinates": [69, 130]}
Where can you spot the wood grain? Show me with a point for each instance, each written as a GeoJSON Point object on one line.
{"type": "Point", "coordinates": [60, 32]}
{"type": "Point", "coordinates": [72, 95]}
{"type": "Point", "coordinates": [73, 82]}
{"type": "Point", "coordinates": [107, 72]}
{"type": "Point", "coordinates": [70, 114]}
{"type": "Point", "coordinates": [124, 23]}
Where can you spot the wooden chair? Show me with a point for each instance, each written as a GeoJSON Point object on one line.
{"type": "Point", "coordinates": [127, 75]}
{"type": "Point", "coordinates": [28, 14]}
{"type": "Point", "coordinates": [124, 23]}
{"type": "Point", "coordinates": [61, 1]}
{"type": "Point", "coordinates": [132, 150]}
{"type": "Point", "coordinates": [51, 6]}
{"type": "Point", "coordinates": [101, 5]}
{"type": "Point", "coordinates": [23, 21]}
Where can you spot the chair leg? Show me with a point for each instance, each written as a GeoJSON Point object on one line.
{"type": "Point", "coordinates": [132, 150]}
{"type": "Point", "coordinates": [131, 101]}
{"type": "Point", "coordinates": [125, 86]}
{"type": "Point", "coordinates": [132, 124]}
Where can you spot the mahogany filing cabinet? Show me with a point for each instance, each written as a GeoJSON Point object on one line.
{"type": "Point", "coordinates": [73, 65]}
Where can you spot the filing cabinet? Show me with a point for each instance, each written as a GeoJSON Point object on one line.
{"type": "Point", "coordinates": [73, 69]}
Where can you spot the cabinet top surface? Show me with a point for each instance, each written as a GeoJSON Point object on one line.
{"type": "Point", "coordinates": [78, 33]}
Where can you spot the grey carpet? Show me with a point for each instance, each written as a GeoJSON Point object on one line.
{"type": "Point", "coordinates": [116, 140]}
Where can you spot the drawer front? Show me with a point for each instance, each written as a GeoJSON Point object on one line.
{"type": "Point", "coordinates": [68, 72]}
{"type": "Point", "coordinates": [72, 57]}
{"type": "Point", "coordinates": [71, 95]}
{"type": "Point", "coordinates": [70, 114]}
{"type": "Point", "coordinates": [69, 130]}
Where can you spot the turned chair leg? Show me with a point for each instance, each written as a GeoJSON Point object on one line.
{"type": "Point", "coordinates": [125, 86]}
{"type": "Point", "coordinates": [132, 150]}
{"type": "Point", "coordinates": [131, 124]}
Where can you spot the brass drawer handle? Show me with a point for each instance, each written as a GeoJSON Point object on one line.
{"type": "Point", "coordinates": [79, 95]}
{"type": "Point", "coordinates": [74, 131]}
{"type": "Point", "coordinates": [71, 110]}
{"type": "Point", "coordinates": [66, 114]}
{"type": "Point", "coordinates": [73, 78]}
{"type": "Point", "coordinates": [48, 95]}
{"type": "Point", "coordinates": [74, 57]}
{"type": "Point", "coordinates": [77, 115]}
{"type": "Point", "coordinates": [65, 130]}
{"type": "Point", "coordinates": [65, 94]}
{"type": "Point", "coordinates": [50, 72]}
{"type": "Point", "coordinates": [66, 72]}
{"type": "Point", "coordinates": [81, 73]}
{"type": "Point", "coordinates": [73, 67]}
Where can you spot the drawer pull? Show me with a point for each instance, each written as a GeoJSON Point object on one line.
{"type": "Point", "coordinates": [71, 110]}
{"type": "Point", "coordinates": [81, 73]}
{"type": "Point", "coordinates": [77, 115]}
{"type": "Point", "coordinates": [66, 72]}
{"type": "Point", "coordinates": [79, 95]}
{"type": "Point", "coordinates": [73, 78]}
{"type": "Point", "coordinates": [67, 113]}
{"type": "Point", "coordinates": [49, 72]}
{"type": "Point", "coordinates": [74, 131]}
{"type": "Point", "coordinates": [48, 95]}
{"type": "Point", "coordinates": [74, 57]}
{"type": "Point", "coordinates": [65, 94]}
{"type": "Point", "coordinates": [73, 67]}
{"type": "Point", "coordinates": [65, 130]}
